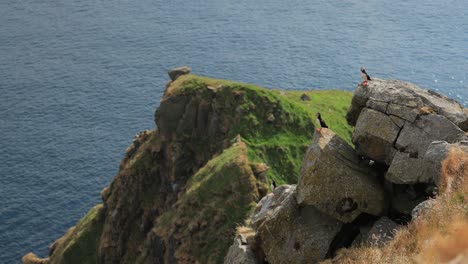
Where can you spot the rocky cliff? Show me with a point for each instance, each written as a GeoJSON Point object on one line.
{"type": "Point", "coordinates": [187, 188]}
{"type": "Point", "coordinates": [182, 188]}
{"type": "Point", "coordinates": [363, 196]}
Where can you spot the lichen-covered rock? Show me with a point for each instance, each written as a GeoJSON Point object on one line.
{"type": "Point", "coordinates": [335, 181]}
{"type": "Point", "coordinates": [270, 204]}
{"type": "Point", "coordinates": [421, 208]}
{"type": "Point", "coordinates": [396, 122]}
{"type": "Point", "coordinates": [291, 234]}
{"type": "Point", "coordinates": [382, 232]}
{"type": "Point", "coordinates": [436, 153]}
{"type": "Point", "coordinates": [375, 134]}
{"type": "Point", "coordinates": [409, 168]}
{"type": "Point", "coordinates": [405, 101]}
{"type": "Point", "coordinates": [416, 137]}
{"type": "Point", "coordinates": [405, 169]}
{"type": "Point", "coordinates": [176, 72]}
{"type": "Point", "coordinates": [240, 253]}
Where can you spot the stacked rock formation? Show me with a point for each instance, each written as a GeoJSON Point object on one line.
{"type": "Point", "coordinates": [397, 122]}
{"type": "Point", "coordinates": [347, 196]}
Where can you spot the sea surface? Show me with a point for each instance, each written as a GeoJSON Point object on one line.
{"type": "Point", "coordinates": [78, 79]}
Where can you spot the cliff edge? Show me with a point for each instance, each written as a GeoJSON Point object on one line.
{"type": "Point", "coordinates": [182, 188]}
{"type": "Point", "coordinates": [409, 164]}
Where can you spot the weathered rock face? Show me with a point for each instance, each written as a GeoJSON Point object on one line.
{"type": "Point", "coordinates": [176, 72]}
{"type": "Point", "coordinates": [416, 137]}
{"type": "Point", "coordinates": [240, 253]}
{"type": "Point", "coordinates": [336, 181]}
{"type": "Point", "coordinates": [290, 234]}
{"type": "Point", "coordinates": [382, 232]}
{"type": "Point", "coordinates": [436, 153]}
{"type": "Point", "coordinates": [404, 100]}
{"type": "Point", "coordinates": [395, 124]}
{"type": "Point", "coordinates": [374, 135]}
{"type": "Point", "coordinates": [182, 188]}
{"type": "Point", "coordinates": [422, 208]}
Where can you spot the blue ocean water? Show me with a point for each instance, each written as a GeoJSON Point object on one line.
{"type": "Point", "coordinates": [78, 79]}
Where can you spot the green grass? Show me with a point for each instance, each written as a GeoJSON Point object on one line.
{"type": "Point", "coordinates": [280, 144]}
{"type": "Point", "coordinates": [81, 245]}
{"type": "Point", "coordinates": [332, 104]}
{"type": "Point", "coordinates": [220, 195]}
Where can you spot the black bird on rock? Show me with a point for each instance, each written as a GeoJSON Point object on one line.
{"type": "Point", "coordinates": [273, 186]}
{"type": "Point", "coordinates": [365, 77]}
{"type": "Point", "coordinates": [321, 122]}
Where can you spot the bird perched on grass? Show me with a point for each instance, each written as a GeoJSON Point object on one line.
{"type": "Point", "coordinates": [365, 77]}
{"type": "Point", "coordinates": [321, 123]}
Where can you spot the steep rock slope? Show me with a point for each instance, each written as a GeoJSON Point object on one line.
{"type": "Point", "coordinates": [182, 189]}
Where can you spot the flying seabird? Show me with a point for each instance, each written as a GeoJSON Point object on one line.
{"type": "Point", "coordinates": [321, 122]}
{"type": "Point", "coordinates": [365, 76]}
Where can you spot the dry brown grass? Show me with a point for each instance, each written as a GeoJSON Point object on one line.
{"type": "Point", "coordinates": [439, 235]}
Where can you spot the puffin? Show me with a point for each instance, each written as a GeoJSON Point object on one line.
{"type": "Point", "coordinates": [273, 187]}
{"type": "Point", "coordinates": [365, 77]}
{"type": "Point", "coordinates": [321, 122]}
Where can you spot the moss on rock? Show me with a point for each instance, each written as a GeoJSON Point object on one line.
{"type": "Point", "coordinates": [80, 244]}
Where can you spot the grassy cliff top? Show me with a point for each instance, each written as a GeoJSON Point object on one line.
{"type": "Point", "coordinates": [332, 104]}
{"type": "Point", "coordinates": [219, 179]}
{"type": "Point", "coordinates": [276, 125]}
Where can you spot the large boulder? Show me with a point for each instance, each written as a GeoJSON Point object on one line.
{"type": "Point", "coordinates": [177, 72]}
{"type": "Point", "coordinates": [406, 169]}
{"type": "Point", "coordinates": [289, 233]}
{"type": "Point", "coordinates": [436, 153]}
{"type": "Point", "coordinates": [395, 124]}
{"type": "Point", "coordinates": [382, 231]}
{"type": "Point", "coordinates": [409, 169]}
{"type": "Point", "coordinates": [404, 100]}
{"type": "Point", "coordinates": [375, 134]}
{"type": "Point", "coordinates": [336, 181]}
{"type": "Point", "coordinates": [416, 137]}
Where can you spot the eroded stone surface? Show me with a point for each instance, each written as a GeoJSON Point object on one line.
{"type": "Point", "coordinates": [336, 181]}
{"type": "Point", "coordinates": [375, 134]}
{"type": "Point", "coordinates": [289, 233]}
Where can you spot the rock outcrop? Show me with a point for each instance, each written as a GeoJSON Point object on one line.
{"type": "Point", "coordinates": [406, 101]}
{"type": "Point", "coordinates": [240, 252]}
{"type": "Point", "coordinates": [182, 188]}
{"type": "Point", "coordinates": [289, 233]}
{"type": "Point", "coordinates": [382, 232]}
{"type": "Point", "coordinates": [179, 71]}
{"type": "Point", "coordinates": [336, 181]}
{"type": "Point", "coordinates": [308, 223]}
{"type": "Point", "coordinates": [396, 123]}
{"type": "Point", "coordinates": [352, 197]}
